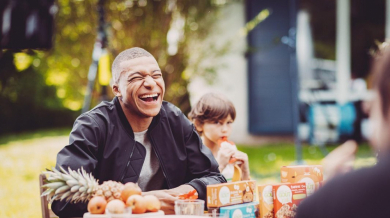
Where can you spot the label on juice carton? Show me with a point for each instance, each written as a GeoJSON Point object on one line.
{"type": "Point", "coordinates": [312, 175]}
{"type": "Point", "coordinates": [287, 197]}
{"type": "Point", "coordinates": [266, 201]}
{"type": "Point", "coordinates": [247, 210]}
{"type": "Point", "coordinates": [225, 194]}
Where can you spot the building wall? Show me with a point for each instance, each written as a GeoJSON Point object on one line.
{"type": "Point", "coordinates": [232, 74]}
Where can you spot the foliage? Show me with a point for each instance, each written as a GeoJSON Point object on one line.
{"type": "Point", "coordinates": [39, 88]}
{"type": "Point", "coordinates": [26, 101]}
{"type": "Point", "coordinates": [163, 27]}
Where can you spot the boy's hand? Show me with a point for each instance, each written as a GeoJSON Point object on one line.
{"type": "Point", "coordinates": [243, 157]}
{"type": "Point", "coordinates": [224, 155]}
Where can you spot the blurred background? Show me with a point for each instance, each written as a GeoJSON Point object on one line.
{"type": "Point", "coordinates": [297, 72]}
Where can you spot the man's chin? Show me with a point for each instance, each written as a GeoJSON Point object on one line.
{"type": "Point", "coordinates": [150, 113]}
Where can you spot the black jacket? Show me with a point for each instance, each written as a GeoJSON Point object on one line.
{"type": "Point", "coordinates": [360, 194]}
{"type": "Point", "coordinates": [102, 142]}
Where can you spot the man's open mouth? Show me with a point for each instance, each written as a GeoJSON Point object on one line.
{"type": "Point", "coordinates": [149, 97]}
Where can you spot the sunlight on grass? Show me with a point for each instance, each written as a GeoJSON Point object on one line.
{"type": "Point", "coordinates": [21, 163]}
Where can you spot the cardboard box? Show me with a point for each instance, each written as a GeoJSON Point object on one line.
{"type": "Point", "coordinates": [287, 198]}
{"type": "Point", "coordinates": [312, 175]}
{"type": "Point", "coordinates": [226, 194]}
{"type": "Point", "coordinates": [266, 201]}
{"type": "Point", "coordinates": [247, 210]}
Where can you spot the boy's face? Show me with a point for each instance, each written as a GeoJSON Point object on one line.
{"type": "Point", "coordinates": [213, 131]}
{"type": "Point", "coordinates": [141, 86]}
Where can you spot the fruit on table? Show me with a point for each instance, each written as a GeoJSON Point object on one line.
{"type": "Point", "coordinates": [97, 205]}
{"type": "Point", "coordinates": [78, 186]}
{"type": "Point", "coordinates": [116, 206]}
{"type": "Point", "coordinates": [110, 190]}
{"type": "Point", "coordinates": [152, 203]}
{"type": "Point", "coordinates": [70, 186]}
{"type": "Point", "coordinates": [130, 189]}
{"type": "Point", "coordinates": [137, 204]}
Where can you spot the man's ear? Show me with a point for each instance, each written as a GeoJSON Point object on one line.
{"type": "Point", "coordinates": [115, 90]}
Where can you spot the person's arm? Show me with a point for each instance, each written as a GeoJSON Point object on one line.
{"type": "Point", "coordinates": [82, 151]}
{"type": "Point", "coordinates": [202, 166]}
{"type": "Point", "coordinates": [169, 196]}
{"type": "Point", "coordinates": [340, 160]}
{"type": "Point", "coordinates": [202, 170]}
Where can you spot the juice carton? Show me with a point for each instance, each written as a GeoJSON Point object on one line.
{"type": "Point", "coordinates": [247, 210]}
{"type": "Point", "coordinates": [287, 198]}
{"type": "Point", "coordinates": [225, 194]}
{"type": "Point", "coordinates": [266, 201]}
{"type": "Point", "coordinates": [312, 175]}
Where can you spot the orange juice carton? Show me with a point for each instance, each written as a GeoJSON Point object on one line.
{"type": "Point", "coordinates": [287, 198]}
{"type": "Point", "coordinates": [226, 194]}
{"type": "Point", "coordinates": [247, 210]}
{"type": "Point", "coordinates": [312, 175]}
{"type": "Point", "coordinates": [266, 201]}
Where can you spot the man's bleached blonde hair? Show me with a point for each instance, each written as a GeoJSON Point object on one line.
{"type": "Point", "coordinates": [126, 55]}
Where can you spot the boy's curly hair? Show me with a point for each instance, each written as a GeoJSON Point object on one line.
{"type": "Point", "coordinates": [211, 107]}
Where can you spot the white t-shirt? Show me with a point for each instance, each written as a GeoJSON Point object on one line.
{"type": "Point", "coordinates": [151, 170]}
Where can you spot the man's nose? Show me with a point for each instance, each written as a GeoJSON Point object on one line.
{"type": "Point", "coordinates": [149, 82]}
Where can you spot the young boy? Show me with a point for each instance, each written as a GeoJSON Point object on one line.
{"type": "Point", "coordinates": [213, 116]}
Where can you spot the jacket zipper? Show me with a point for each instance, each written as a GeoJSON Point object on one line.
{"type": "Point", "coordinates": [128, 162]}
{"type": "Point", "coordinates": [159, 160]}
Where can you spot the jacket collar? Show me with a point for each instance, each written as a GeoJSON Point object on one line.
{"type": "Point", "coordinates": [156, 120]}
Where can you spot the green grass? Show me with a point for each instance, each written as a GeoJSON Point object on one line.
{"type": "Point", "coordinates": [24, 156]}
{"type": "Point", "coordinates": [265, 161]}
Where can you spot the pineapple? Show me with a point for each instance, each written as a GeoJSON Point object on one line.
{"type": "Point", "coordinates": [110, 190]}
{"type": "Point", "coordinates": [78, 186]}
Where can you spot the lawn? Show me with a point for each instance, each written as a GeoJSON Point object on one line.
{"type": "Point", "coordinates": [24, 156]}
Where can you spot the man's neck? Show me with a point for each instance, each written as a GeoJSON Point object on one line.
{"type": "Point", "coordinates": [137, 123]}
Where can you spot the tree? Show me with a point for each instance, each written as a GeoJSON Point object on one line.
{"type": "Point", "coordinates": [163, 27]}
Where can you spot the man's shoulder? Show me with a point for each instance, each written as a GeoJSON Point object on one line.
{"type": "Point", "coordinates": [170, 108]}
{"type": "Point", "coordinates": [175, 115]}
{"type": "Point", "coordinates": [105, 110]}
{"type": "Point", "coordinates": [102, 107]}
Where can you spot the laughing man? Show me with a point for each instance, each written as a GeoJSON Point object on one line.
{"type": "Point", "coordinates": [138, 137]}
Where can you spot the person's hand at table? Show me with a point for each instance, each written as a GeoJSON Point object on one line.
{"type": "Point", "coordinates": [340, 160]}
{"type": "Point", "coordinates": [224, 155]}
{"type": "Point", "coordinates": [243, 158]}
{"type": "Point", "coordinates": [168, 197]}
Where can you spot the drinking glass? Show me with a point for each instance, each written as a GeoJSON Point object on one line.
{"type": "Point", "coordinates": [189, 207]}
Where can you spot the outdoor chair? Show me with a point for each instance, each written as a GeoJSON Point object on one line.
{"type": "Point", "coordinates": [46, 211]}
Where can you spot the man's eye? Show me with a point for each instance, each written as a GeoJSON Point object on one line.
{"type": "Point", "coordinates": [136, 78]}
{"type": "Point", "coordinates": [156, 76]}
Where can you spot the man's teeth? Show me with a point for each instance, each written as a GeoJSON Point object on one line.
{"type": "Point", "coordinates": [149, 96]}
